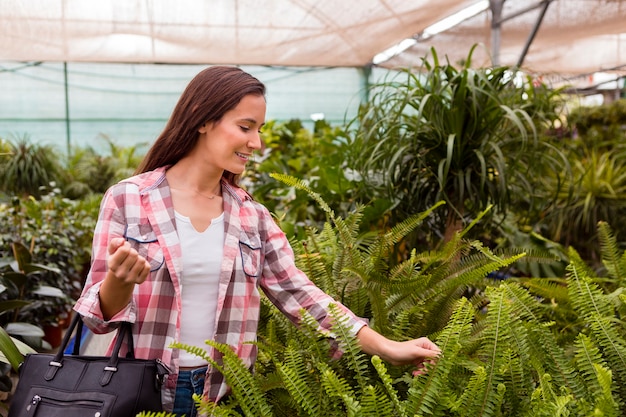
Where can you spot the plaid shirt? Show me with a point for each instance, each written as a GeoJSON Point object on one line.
{"type": "Point", "coordinates": [256, 255]}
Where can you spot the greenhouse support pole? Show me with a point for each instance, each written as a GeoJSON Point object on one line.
{"type": "Point", "coordinates": [496, 29]}
{"type": "Point", "coordinates": [545, 4]}
{"type": "Point", "coordinates": [67, 111]}
{"type": "Point", "coordinates": [366, 72]}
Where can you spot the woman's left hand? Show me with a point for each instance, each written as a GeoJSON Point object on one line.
{"type": "Point", "coordinates": [418, 352]}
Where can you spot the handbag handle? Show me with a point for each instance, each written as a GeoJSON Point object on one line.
{"type": "Point", "coordinates": [79, 331]}
{"type": "Point", "coordinates": [125, 330]}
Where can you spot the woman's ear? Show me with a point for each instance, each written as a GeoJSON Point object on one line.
{"type": "Point", "coordinates": [202, 128]}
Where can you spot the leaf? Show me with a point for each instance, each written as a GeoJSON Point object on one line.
{"type": "Point", "coordinates": [48, 291]}
{"type": "Point", "coordinates": [11, 353]}
{"type": "Point", "coordinates": [24, 330]}
{"type": "Point", "coordinates": [12, 305]}
{"type": "Point", "coordinates": [21, 254]}
{"type": "Point", "coordinates": [35, 267]}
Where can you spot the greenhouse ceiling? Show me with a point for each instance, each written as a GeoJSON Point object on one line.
{"type": "Point", "coordinates": [544, 36]}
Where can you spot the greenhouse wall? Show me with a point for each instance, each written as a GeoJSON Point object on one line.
{"type": "Point", "coordinates": [129, 103]}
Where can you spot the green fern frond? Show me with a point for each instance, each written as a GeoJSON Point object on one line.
{"type": "Point", "coordinates": [346, 230]}
{"type": "Point", "coordinates": [375, 403]}
{"type": "Point", "coordinates": [301, 185]}
{"type": "Point", "coordinates": [333, 384]}
{"type": "Point", "coordinates": [536, 343]}
{"type": "Point", "coordinates": [404, 271]}
{"type": "Point", "coordinates": [547, 356]}
{"type": "Point", "coordinates": [308, 335]}
{"type": "Point", "coordinates": [241, 381]}
{"type": "Point", "coordinates": [519, 380]}
{"type": "Point", "coordinates": [597, 312]}
{"type": "Point", "coordinates": [295, 376]}
{"type": "Point", "coordinates": [387, 383]}
{"type": "Point", "coordinates": [476, 384]}
{"type": "Point", "coordinates": [545, 402]}
{"type": "Point", "coordinates": [606, 403]}
{"type": "Point", "coordinates": [382, 246]}
{"type": "Point", "coordinates": [471, 270]}
{"type": "Point", "coordinates": [546, 288]}
{"type": "Point", "coordinates": [406, 321]}
{"type": "Point", "coordinates": [426, 391]}
{"type": "Point", "coordinates": [447, 254]}
{"type": "Point", "coordinates": [338, 389]}
{"type": "Point", "coordinates": [479, 216]}
{"type": "Point", "coordinates": [194, 350]}
{"type": "Point", "coordinates": [359, 301]}
{"type": "Point", "coordinates": [586, 296]}
{"type": "Point", "coordinates": [611, 259]}
{"type": "Point", "coordinates": [596, 374]}
{"type": "Point", "coordinates": [315, 265]}
{"type": "Point", "coordinates": [348, 343]}
{"type": "Point", "coordinates": [353, 407]}
{"type": "Point", "coordinates": [538, 262]}
{"type": "Point", "coordinates": [496, 341]}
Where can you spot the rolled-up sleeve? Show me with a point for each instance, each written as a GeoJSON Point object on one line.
{"type": "Point", "coordinates": [290, 289]}
{"type": "Point", "coordinates": [110, 224]}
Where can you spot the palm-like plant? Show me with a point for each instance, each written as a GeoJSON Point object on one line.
{"type": "Point", "coordinates": [27, 167]}
{"type": "Point", "coordinates": [88, 172]}
{"type": "Point", "coordinates": [596, 189]}
{"type": "Point", "coordinates": [466, 136]}
{"type": "Point", "coordinates": [599, 184]}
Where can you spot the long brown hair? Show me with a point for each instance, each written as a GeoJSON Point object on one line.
{"type": "Point", "coordinates": [210, 94]}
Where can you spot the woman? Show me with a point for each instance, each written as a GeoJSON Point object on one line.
{"type": "Point", "coordinates": [181, 251]}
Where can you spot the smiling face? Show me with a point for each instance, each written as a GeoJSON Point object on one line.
{"type": "Point", "coordinates": [228, 144]}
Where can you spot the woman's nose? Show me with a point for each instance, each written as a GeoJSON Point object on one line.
{"type": "Point", "coordinates": [256, 142]}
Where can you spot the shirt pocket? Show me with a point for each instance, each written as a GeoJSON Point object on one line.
{"type": "Point", "coordinates": [143, 239]}
{"type": "Point", "coordinates": [250, 250]}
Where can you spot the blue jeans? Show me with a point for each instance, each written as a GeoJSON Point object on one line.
{"type": "Point", "coordinates": [189, 382]}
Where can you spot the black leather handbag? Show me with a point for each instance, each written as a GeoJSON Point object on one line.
{"type": "Point", "coordinates": [88, 386]}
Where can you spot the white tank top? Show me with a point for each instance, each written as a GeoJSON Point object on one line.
{"type": "Point", "coordinates": [202, 260]}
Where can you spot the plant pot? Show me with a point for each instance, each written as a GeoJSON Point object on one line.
{"type": "Point", "coordinates": [53, 334]}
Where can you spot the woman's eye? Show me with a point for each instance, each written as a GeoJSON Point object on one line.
{"type": "Point", "coordinates": [244, 128]}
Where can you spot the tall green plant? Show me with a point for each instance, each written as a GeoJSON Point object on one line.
{"type": "Point", "coordinates": [463, 135]}
{"type": "Point", "coordinates": [27, 167]}
{"type": "Point", "coordinates": [596, 148]}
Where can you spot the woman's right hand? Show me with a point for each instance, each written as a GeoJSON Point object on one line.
{"type": "Point", "coordinates": [125, 264]}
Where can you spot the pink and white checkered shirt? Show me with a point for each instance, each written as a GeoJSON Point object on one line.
{"type": "Point", "coordinates": [257, 255]}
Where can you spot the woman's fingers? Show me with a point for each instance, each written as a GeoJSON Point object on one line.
{"type": "Point", "coordinates": [125, 263]}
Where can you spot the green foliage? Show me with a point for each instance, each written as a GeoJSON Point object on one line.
{"type": "Point", "coordinates": [467, 136]}
{"type": "Point", "coordinates": [600, 124]}
{"type": "Point", "coordinates": [58, 233]}
{"type": "Point", "coordinates": [19, 287]}
{"type": "Point", "coordinates": [318, 157]}
{"type": "Point", "coordinates": [27, 166]}
{"type": "Point", "coordinates": [23, 289]}
{"type": "Point", "coordinates": [503, 352]}
{"type": "Point", "coordinates": [88, 172]}
{"type": "Point", "coordinates": [596, 188]}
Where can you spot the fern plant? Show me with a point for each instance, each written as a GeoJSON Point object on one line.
{"type": "Point", "coordinates": [503, 354]}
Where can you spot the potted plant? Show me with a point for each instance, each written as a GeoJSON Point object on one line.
{"type": "Point", "coordinates": [22, 294]}
{"type": "Point", "coordinates": [57, 233]}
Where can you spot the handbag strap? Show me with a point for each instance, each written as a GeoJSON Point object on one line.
{"type": "Point", "coordinates": [124, 331]}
